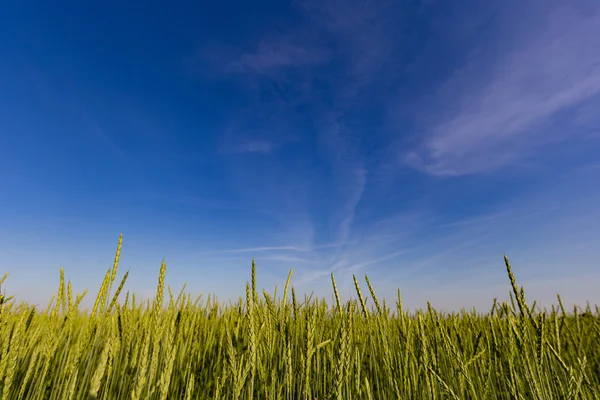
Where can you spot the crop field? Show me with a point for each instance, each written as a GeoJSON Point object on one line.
{"type": "Point", "coordinates": [267, 346]}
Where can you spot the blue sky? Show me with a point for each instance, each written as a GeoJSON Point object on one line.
{"type": "Point", "coordinates": [414, 141]}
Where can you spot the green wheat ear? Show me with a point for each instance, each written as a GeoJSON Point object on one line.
{"type": "Point", "coordinates": [115, 263]}
{"type": "Point", "coordinates": [335, 292]}
{"type": "Point", "coordinates": [3, 278]}
{"type": "Point", "coordinates": [363, 304]}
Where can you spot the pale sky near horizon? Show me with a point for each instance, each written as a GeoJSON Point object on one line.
{"type": "Point", "coordinates": [413, 141]}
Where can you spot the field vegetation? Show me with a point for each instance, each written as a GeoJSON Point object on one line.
{"type": "Point", "coordinates": [267, 346]}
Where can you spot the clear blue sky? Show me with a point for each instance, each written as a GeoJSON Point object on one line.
{"type": "Point", "coordinates": [413, 141]}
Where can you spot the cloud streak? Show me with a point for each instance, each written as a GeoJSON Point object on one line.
{"type": "Point", "coordinates": [552, 67]}
{"type": "Point", "coordinates": [275, 53]}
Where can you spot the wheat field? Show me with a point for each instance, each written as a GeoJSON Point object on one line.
{"type": "Point", "coordinates": [269, 347]}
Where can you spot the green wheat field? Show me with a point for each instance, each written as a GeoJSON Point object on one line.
{"type": "Point", "coordinates": [269, 347]}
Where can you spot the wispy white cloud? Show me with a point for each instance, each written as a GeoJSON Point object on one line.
{"type": "Point", "coordinates": [289, 259]}
{"type": "Point", "coordinates": [361, 27]}
{"type": "Point", "coordinates": [499, 119]}
{"type": "Point", "coordinates": [269, 121]}
{"type": "Point", "coordinates": [279, 52]}
{"type": "Point", "coordinates": [99, 134]}
{"type": "Point", "coordinates": [475, 220]}
{"type": "Point", "coordinates": [360, 179]}
{"type": "Point", "coordinates": [250, 146]}
{"type": "Point", "coordinates": [367, 247]}
{"type": "Point", "coordinates": [261, 249]}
